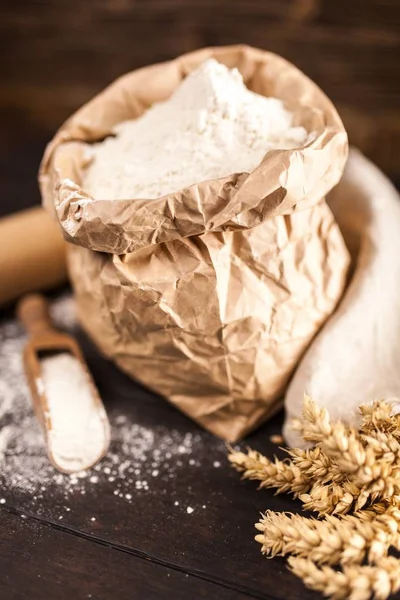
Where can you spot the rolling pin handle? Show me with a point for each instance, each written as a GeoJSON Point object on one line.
{"type": "Point", "coordinates": [33, 312]}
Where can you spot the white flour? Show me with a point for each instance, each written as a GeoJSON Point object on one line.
{"type": "Point", "coordinates": [211, 127]}
{"type": "Point", "coordinates": [138, 456]}
{"type": "Point", "coordinates": [78, 433]}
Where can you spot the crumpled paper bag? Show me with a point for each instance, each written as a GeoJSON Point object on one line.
{"type": "Point", "coordinates": [211, 294]}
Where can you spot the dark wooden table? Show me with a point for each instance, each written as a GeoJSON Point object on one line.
{"type": "Point", "coordinates": [148, 548]}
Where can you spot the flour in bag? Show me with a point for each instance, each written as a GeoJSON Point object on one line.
{"type": "Point", "coordinates": [212, 126]}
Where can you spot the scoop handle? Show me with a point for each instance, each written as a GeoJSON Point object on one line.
{"type": "Point", "coordinates": [33, 312]}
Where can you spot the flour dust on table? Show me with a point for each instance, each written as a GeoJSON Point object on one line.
{"type": "Point", "coordinates": [138, 454]}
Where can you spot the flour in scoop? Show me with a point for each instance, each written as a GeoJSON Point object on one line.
{"type": "Point", "coordinates": [211, 126]}
{"type": "Point", "coordinates": [77, 436]}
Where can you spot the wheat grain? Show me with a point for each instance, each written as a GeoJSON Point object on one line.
{"type": "Point", "coordinates": [331, 541]}
{"type": "Point", "coordinates": [315, 424]}
{"type": "Point", "coordinates": [332, 498]}
{"type": "Point", "coordinates": [370, 462]}
{"type": "Point", "coordinates": [284, 476]}
{"type": "Point", "coordinates": [315, 465]}
{"type": "Point", "coordinates": [351, 478]}
{"type": "Point", "coordinates": [345, 471]}
{"type": "Point", "coordinates": [379, 416]}
{"type": "Point", "coordinates": [354, 582]}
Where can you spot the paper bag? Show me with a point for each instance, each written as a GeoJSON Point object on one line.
{"type": "Point", "coordinates": [211, 294]}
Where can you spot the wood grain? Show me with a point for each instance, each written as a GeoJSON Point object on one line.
{"type": "Point", "coordinates": [214, 543]}
{"type": "Point", "coordinates": [60, 53]}
{"type": "Point", "coordinates": [39, 561]}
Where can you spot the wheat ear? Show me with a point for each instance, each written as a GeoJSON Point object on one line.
{"type": "Point", "coordinates": [284, 476]}
{"type": "Point", "coordinates": [367, 461]}
{"type": "Point", "coordinates": [331, 541]}
{"type": "Point", "coordinates": [379, 417]}
{"type": "Point", "coordinates": [354, 582]}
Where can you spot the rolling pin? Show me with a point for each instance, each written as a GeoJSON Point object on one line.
{"type": "Point", "coordinates": [32, 254]}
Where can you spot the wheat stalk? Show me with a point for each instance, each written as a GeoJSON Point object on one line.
{"type": "Point", "coordinates": [350, 448]}
{"type": "Point", "coordinates": [327, 499]}
{"type": "Point", "coordinates": [300, 477]}
{"type": "Point", "coordinates": [331, 541]}
{"type": "Point", "coordinates": [340, 499]}
{"type": "Point", "coordinates": [315, 465]}
{"type": "Point", "coordinates": [354, 582]}
{"type": "Point", "coordinates": [347, 471]}
{"type": "Point", "coordinates": [377, 417]}
{"type": "Point", "coordinates": [370, 462]}
{"type": "Point", "coordinates": [384, 512]}
{"type": "Point", "coordinates": [284, 476]}
{"type": "Point", "coordinates": [337, 440]}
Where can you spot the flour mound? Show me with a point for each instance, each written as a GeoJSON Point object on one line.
{"type": "Point", "coordinates": [212, 126]}
{"type": "Point", "coordinates": [77, 436]}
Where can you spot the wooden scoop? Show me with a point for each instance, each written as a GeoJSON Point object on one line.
{"type": "Point", "coordinates": [76, 427]}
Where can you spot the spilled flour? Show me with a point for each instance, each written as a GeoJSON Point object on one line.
{"type": "Point", "coordinates": [211, 126]}
{"type": "Point", "coordinates": [138, 455]}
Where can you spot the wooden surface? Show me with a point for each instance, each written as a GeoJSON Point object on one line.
{"type": "Point", "coordinates": [147, 548]}
{"type": "Point", "coordinates": [61, 52]}
{"type": "Point", "coordinates": [41, 561]}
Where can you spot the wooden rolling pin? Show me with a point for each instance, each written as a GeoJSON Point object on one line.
{"type": "Point", "coordinates": [32, 254]}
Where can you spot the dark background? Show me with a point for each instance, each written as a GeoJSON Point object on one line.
{"type": "Point", "coordinates": [55, 55]}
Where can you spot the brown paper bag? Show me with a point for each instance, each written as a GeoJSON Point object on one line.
{"type": "Point", "coordinates": [209, 295]}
